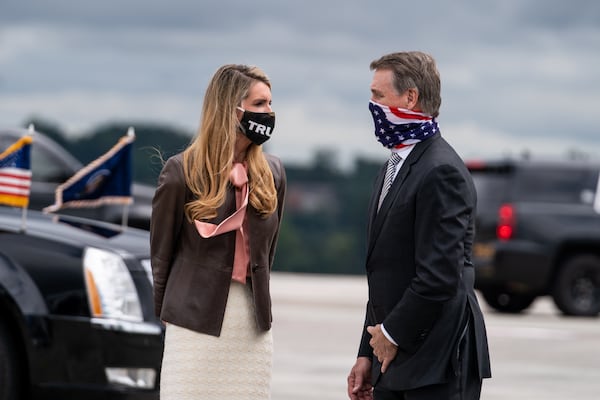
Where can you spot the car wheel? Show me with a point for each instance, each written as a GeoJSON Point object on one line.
{"type": "Point", "coordinates": [577, 287]}
{"type": "Point", "coordinates": [10, 366]}
{"type": "Point", "coordinates": [506, 301]}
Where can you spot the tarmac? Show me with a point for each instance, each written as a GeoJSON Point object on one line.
{"type": "Point", "coordinates": [536, 355]}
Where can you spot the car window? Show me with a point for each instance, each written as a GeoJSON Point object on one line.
{"type": "Point", "coordinates": [46, 167]}
{"type": "Point", "coordinates": [491, 187]}
{"type": "Point", "coordinates": [573, 186]}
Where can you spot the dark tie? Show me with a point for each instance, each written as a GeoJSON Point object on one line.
{"type": "Point", "coordinates": [389, 176]}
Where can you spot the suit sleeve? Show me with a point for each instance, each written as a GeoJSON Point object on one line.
{"type": "Point", "coordinates": [365, 349]}
{"type": "Point", "coordinates": [444, 205]}
{"type": "Point", "coordinates": [167, 218]}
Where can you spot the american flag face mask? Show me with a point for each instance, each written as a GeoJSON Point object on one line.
{"type": "Point", "coordinates": [399, 127]}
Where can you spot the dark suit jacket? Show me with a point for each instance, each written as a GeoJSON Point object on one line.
{"type": "Point", "coordinates": [419, 268]}
{"type": "Point", "coordinates": [192, 274]}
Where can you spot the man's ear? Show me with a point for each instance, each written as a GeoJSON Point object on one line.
{"type": "Point", "coordinates": [412, 98]}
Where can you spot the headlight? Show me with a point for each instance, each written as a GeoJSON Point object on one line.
{"type": "Point", "coordinates": [110, 289]}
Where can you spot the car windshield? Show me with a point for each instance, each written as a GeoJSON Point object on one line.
{"type": "Point", "coordinates": [491, 187]}
{"type": "Point", "coordinates": [554, 185]}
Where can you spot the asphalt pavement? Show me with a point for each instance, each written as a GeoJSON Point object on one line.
{"type": "Point", "coordinates": [537, 355]}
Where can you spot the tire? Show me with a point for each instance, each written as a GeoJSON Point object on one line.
{"type": "Point", "coordinates": [11, 377]}
{"type": "Point", "coordinates": [505, 301]}
{"type": "Point", "coordinates": [576, 290]}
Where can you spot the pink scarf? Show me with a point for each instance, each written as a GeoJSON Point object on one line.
{"type": "Point", "coordinates": [235, 222]}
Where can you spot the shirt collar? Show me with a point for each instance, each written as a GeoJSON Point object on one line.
{"type": "Point", "coordinates": [403, 151]}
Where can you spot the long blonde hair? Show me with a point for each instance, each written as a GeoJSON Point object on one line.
{"type": "Point", "coordinates": [208, 160]}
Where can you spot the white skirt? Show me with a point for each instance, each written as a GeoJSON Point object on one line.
{"type": "Point", "coordinates": [236, 365]}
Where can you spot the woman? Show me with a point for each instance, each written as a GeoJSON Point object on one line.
{"type": "Point", "coordinates": [215, 222]}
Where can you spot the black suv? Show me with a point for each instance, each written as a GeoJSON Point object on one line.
{"type": "Point", "coordinates": [52, 165]}
{"type": "Point", "coordinates": [538, 233]}
{"type": "Point", "coordinates": [76, 310]}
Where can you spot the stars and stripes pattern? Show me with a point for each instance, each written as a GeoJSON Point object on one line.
{"type": "Point", "coordinates": [396, 127]}
{"type": "Point", "coordinates": [15, 173]}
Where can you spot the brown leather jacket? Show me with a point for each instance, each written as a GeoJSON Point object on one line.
{"type": "Point", "coordinates": [191, 274]}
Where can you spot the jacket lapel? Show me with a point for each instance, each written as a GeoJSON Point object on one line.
{"type": "Point", "coordinates": [377, 218]}
{"type": "Point", "coordinates": [377, 187]}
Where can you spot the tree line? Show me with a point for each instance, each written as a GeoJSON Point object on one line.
{"type": "Point", "coordinates": [324, 225]}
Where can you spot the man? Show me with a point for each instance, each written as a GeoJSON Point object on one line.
{"type": "Point", "coordinates": [424, 335]}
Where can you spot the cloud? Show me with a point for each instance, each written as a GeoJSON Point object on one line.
{"type": "Point", "coordinates": [474, 141]}
{"type": "Point", "coordinates": [515, 74]}
{"type": "Point", "coordinates": [83, 110]}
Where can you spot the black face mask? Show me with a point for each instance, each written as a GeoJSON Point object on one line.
{"type": "Point", "coordinates": [258, 127]}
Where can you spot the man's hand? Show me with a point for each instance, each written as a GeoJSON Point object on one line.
{"type": "Point", "coordinates": [359, 380]}
{"type": "Point", "coordinates": [383, 349]}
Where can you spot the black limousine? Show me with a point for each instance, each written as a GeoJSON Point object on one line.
{"type": "Point", "coordinates": [76, 317]}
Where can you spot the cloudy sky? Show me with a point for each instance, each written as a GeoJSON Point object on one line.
{"type": "Point", "coordinates": [516, 74]}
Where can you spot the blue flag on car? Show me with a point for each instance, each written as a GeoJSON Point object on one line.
{"type": "Point", "coordinates": [106, 180]}
{"type": "Point", "coordinates": [15, 173]}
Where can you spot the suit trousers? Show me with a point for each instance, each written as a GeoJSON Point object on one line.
{"type": "Point", "coordinates": [465, 385]}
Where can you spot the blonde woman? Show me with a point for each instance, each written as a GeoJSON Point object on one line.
{"type": "Point", "coordinates": [216, 215]}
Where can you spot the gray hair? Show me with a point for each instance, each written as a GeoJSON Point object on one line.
{"type": "Point", "coordinates": [414, 69]}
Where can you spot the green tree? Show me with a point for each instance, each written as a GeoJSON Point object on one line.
{"type": "Point", "coordinates": [325, 219]}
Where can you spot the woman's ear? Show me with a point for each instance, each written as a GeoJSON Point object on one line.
{"type": "Point", "coordinates": [239, 112]}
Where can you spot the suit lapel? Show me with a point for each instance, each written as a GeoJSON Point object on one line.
{"type": "Point", "coordinates": [378, 186]}
{"type": "Point", "coordinates": [377, 218]}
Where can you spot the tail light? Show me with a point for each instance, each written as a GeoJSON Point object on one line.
{"type": "Point", "coordinates": [506, 222]}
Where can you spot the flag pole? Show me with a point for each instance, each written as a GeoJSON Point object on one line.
{"type": "Point", "coordinates": [30, 132]}
{"type": "Point", "coordinates": [125, 216]}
